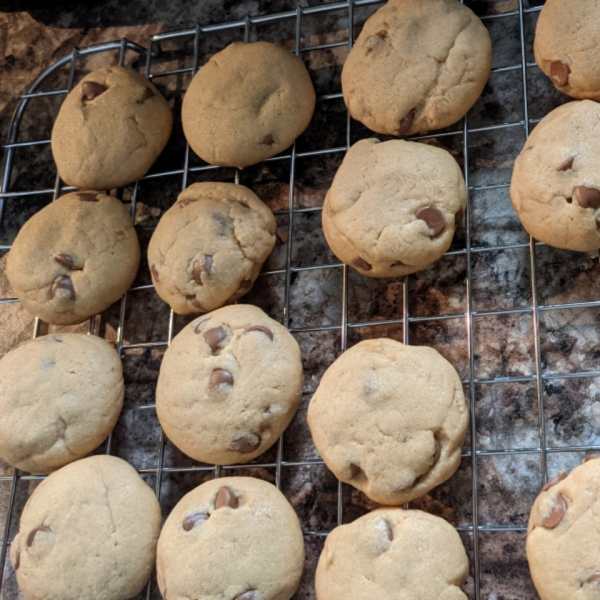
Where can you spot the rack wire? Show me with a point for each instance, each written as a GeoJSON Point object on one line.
{"type": "Point", "coordinates": [151, 54]}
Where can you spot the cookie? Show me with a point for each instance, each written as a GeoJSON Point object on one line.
{"type": "Point", "coordinates": [60, 397]}
{"type": "Point", "coordinates": [392, 553]}
{"type": "Point", "coordinates": [247, 103]}
{"type": "Point", "coordinates": [74, 258]}
{"type": "Point", "coordinates": [393, 207]}
{"type": "Point", "coordinates": [555, 185]}
{"type": "Point", "coordinates": [417, 65]}
{"type": "Point", "coordinates": [563, 535]}
{"type": "Point", "coordinates": [88, 531]}
{"type": "Point", "coordinates": [390, 419]}
{"type": "Point", "coordinates": [229, 385]}
{"type": "Point", "coordinates": [565, 46]}
{"type": "Point", "coordinates": [235, 538]}
{"type": "Point", "coordinates": [110, 129]}
{"type": "Point", "coordinates": [209, 247]}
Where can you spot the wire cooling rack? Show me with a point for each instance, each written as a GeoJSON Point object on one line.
{"type": "Point", "coordinates": [151, 56]}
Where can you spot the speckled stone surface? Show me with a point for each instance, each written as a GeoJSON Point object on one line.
{"type": "Point", "coordinates": [505, 394]}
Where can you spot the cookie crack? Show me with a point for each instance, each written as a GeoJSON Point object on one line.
{"type": "Point", "coordinates": [110, 513]}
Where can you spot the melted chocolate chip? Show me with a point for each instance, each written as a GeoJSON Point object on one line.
{"type": "Point", "coordinates": [92, 89]}
{"type": "Point", "coordinates": [34, 532]}
{"type": "Point", "coordinates": [354, 470]}
{"type": "Point", "coordinates": [194, 302]}
{"type": "Point", "coordinates": [88, 197]}
{"type": "Point", "coordinates": [557, 514]}
{"type": "Point", "coordinates": [406, 123]}
{"type": "Point", "coordinates": [146, 95]}
{"type": "Point", "coordinates": [220, 377]}
{"type": "Point", "coordinates": [433, 217]}
{"type": "Point", "coordinates": [590, 457]}
{"type": "Point", "coordinates": [246, 444]}
{"type": "Point", "coordinates": [268, 140]}
{"type": "Point", "coordinates": [593, 580]}
{"type": "Point", "coordinates": [226, 497]}
{"type": "Point", "coordinates": [17, 561]}
{"type": "Point", "coordinates": [190, 521]}
{"type": "Point", "coordinates": [63, 283]}
{"type": "Point", "coordinates": [207, 263]}
{"type": "Point", "coordinates": [200, 325]}
{"type": "Point", "coordinates": [154, 273]}
{"type": "Point", "coordinates": [559, 73]}
{"type": "Point", "coordinates": [249, 595]}
{"type": "Point", "coordinates": [214, 337]}
{"type": "Point", "coordinates": [567, 165]}
{"type": "Point", "coordinates": [223, 223]}
{"type": "Point", "coordinates": [390, 531]}
{"type": "Point", "coordinates": [202, 267]}
{"type": "Point", "coordinates": [587, 197]}
{"type": "Point", "coordinates": [262, 329]}
{"type": "Point", "coordinates": [66, 260]}
{"type": "Point", "coordinates": [361, 263]}
{"type": "Point", "coordinates": [556, 479]}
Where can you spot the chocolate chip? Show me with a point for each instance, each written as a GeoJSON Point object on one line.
{"type": "Point", "coordinates": [567, 165]}
{"type": "Point", "coordinates": [200, 325]}
{"type": "Point", "coordinates": [593, 580]}
{"type": "Point", "coordinates": [556, 479]}
{"type": "Point", "coordinates": [194, 302]}
{"type": "Point", "coordinates": [587, 197]}
{"type": "Point", "coordinates": [226, 497]}
{"type": "Point", "coordinates": [88, 197]}
{"type": "Point", "coordinates": [207, 263]}
{"type": "Point", "coordinates": [92, 89]}
{"type": "Point", "coordinates": [34, 532]}
{"type": "Point", "coordinates": [223, 223]}
{"type": "Point", "coordinates": [262, 329]}
{"type": "Point", "coordinates": [66, 260]}
{"type": "Point", "coordinates": [17, 561]}
{"type": "Point", "coordinates": [63, 283]}
{"type": "Point", "coordinates": [190, 521]}
{"type": "Point", "coordinates": [390, 530]}
{"type": "Point", "coordinates": [361, 263]}
{"type": "Point", "coordinates": [590, 457]}
{"type": "Point", "coordinates": [438, 452]}
{"type": "Point", "coordinates": [559, 73]}
{"type": "Point", "coordinates": [382, 34]}
{"type": "Point", "coordinates": [214, 337]}
{"type": "Point", "coordinates": [219, 377]}
{"type": "Point", "coordinates": [557, 514]}
{"type": "Point", "coordinates": [202, 267]}
{"type": "Point", "coordinates": [249, 595]}
{"type": "Point", "coordinates": [354, 470]}
{"type": "Point", "coordinates": [148, 93]}
{"type": "Point", "coordinates": [406, 123]}
{"type": "Point", "coordinates": [433, 217]}
{"type": "Point", "coordinates": [154, 273]}
{"type": "Point", "coordinates": [268, 140]}
{"type": "Point", "coordinates": [246, 444]}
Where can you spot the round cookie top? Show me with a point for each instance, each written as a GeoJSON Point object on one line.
{"type": "Point", "coordinates": [60, 397]}
{"type": "Point", "coordinates": [74, 258]}
{"type": "Point", "coordinates": [563, 534]}
{"type": "Point", "coordinates": [209, 247]}
{"type": "Point", "coordinates": [555, 186]}
{"type": "Point", "coordinates": [393, 207]}
{"type": "Point", "coordinates": [565, 46]}
{"type": "Point", "coordinates": [110, 129]}
{"type": "Point", "coordinates": [390, 419]}
{"type": "Point", "coordinates": [229, 385]}
{"type": "Point", "coordinates": [249, 102]}
{"type": "Point", "coordinates": [235, 538]}
{"type": "Point", "coordinates": [417, 65]}
{"type": "Point", "coordinates": [392, 549]}
{"type": "Point", "coordinates": [88, 531]}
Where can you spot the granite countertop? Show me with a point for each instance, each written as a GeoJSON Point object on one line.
{"type": "Point", "coordinates": [505, 394]}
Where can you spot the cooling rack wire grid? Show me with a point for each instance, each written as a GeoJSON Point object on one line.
{"type": "Point", "coordinates": [463, 141]}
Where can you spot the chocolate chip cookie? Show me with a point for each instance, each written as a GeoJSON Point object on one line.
{"type": "Point", "coordinates": [60, 397]}
{"type": "Point", "coordinates": [110, 129]}
{"type": "Point", "coordinates": [209, 247]}
{"type": "Point", "coordinates": [555, 186]}
{"type": "Point", "coordinates": [74, 258]}
{"type": "Point", "coordinates": [88, 531]}
{"type": "Point", "coordinates": [390, 419]}
{"type": "Point", "coordinates": [417, 65]}
{"type": "Point", "coordinates": [249, 102]}
{"type": "Point", "coordinates": [236, 538]}
{"type": "Point", "coordinates": [566, 46]}
{"type": "Point", "coordinates": [393, 207]}
{"type": "Point", "coordinates": [229, 384]}
{"type": "Point", "coordinates": [390, 554]}
{"type": "Point", "coordinates": [563, 535]}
